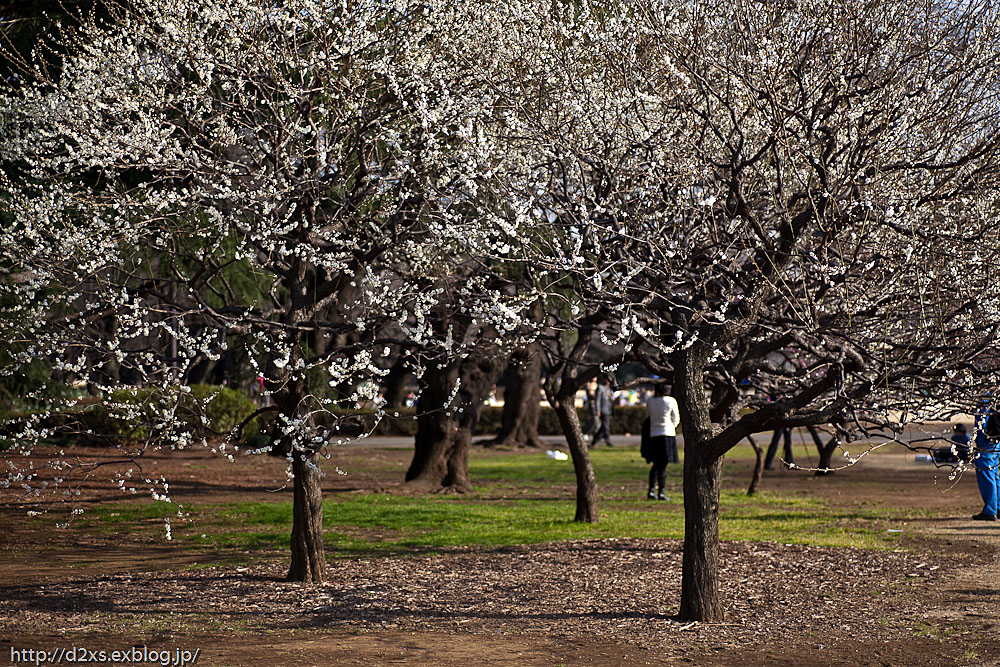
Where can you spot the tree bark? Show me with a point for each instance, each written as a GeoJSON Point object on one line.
{"type": "Point", "coordinates": [758, 468]}
{"type": "Point", "coordinates": [444, 432]}
{"type": "Point", "coordinates": [586, 483]}
{"type": "Point", "coordinates": [395, 384]}
{"type": "Point", "coordinates": [825, 452]}
{"type": "Point", "coordinates": [519, 423]}
{"type": "Point", "coordinates": [441, 447]}
{"type": "Point", "coordinates": [308, 552]}
{"type": "Point", "coordinates": [700, 599]}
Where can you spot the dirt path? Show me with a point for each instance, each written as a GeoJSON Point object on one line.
{"type": "Point", "coordinates": [606, 602]}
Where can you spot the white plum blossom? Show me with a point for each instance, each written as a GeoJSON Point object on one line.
{"type": "Point", "coordinates": [205, 179]}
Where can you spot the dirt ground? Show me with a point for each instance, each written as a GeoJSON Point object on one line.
{"type": "Point", "coordinates": [935, 601]}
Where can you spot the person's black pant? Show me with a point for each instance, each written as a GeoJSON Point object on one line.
{"type": "Point", "coordinates": [773, 449]}
{"type": "Point", "coordinates": [658, 476]}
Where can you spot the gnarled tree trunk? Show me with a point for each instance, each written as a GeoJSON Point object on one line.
{"type": "Point", "coordinates": [519, 423]}
{"type": "Point", "coordinates": [441, 447]}
{"type": "Point", "coordinates": [444, 430]}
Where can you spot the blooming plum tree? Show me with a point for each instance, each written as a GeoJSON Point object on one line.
{"type": "Point", "coordinates": [307, 149]}
{"type": "Point", "coordinates": [783, 207]}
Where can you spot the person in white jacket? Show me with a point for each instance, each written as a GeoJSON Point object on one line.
{"type": "Point", "coordinates": [660, 447]}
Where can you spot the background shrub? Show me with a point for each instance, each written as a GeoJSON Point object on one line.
{"type": "Point", "coordinates": [208, 411]}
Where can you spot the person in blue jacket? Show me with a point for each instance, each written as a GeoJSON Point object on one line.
{"type": "Point", "coordinates": [985, 458]}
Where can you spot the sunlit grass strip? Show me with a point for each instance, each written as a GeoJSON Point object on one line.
{"type": "Point", "coordinates": [523, 498]}
{"type": "Point", "coordinates": [379, 523]}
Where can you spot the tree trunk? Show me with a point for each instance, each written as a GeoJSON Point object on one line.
{"type": "Point", "coordinates": [110, 371]}
{"type": "Point", "coordinates": [441, 450]}
{"type": "Point", "coordinates": [586, 483]}
{"type": "Point", "coordinates": [825, 452]}
{"type": "Point", "coordinates": [202, 373]}
{"type": "Point", "coordinates": [395, 384]}
{"type": "Point", "coordinates": [444, 432]}
{"type": "Point", "coordinates": [519, 424]}
{"type": "Point", "coordinates": [308, 553]}
{"type": "Point", "coordinates": [758, 468]}
{"type": "Point", "coordinates": [700, 599]}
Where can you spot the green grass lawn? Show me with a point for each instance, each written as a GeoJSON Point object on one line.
{"type": "Point", "coordinates": [519, 498]}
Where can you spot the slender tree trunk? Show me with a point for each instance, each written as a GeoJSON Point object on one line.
{"type": "Point", "coordinates": [308, 553]}
{"type": "Point", "coordinates": [519, 424]}
{"type": "Point", "coordinates": [586, 483]}
{"type": "Point", "coordinates": [825, 452]}
{"type": "Point", "coordinates": [758, 468]}
{"type": "Point", "coordinates": [700, 599]}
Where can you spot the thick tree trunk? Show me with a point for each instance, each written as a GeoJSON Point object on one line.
{"type": "Point", "coordinates": [586, 483]}
{"type": "Point", "coordinates": [519, 424]}
{"type": "Point", "coordinates": [758, 468]}
{"type": "Point", "coordinates": [700, 599]}
{"type": "Point", "coordinates": [444, 432]}
{"type": "Point", "coordinates": [308, 553]}
{"type": "Point", "coordinates": [441, 454]}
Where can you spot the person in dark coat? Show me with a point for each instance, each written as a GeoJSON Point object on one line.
{"type": "Point", "coordinates": [659, 439]}
{"type": "Point", "coordinates": [958, 450]}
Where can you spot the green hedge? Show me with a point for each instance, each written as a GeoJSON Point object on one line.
{"type": "Point", "coordinates": [223, 408]}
